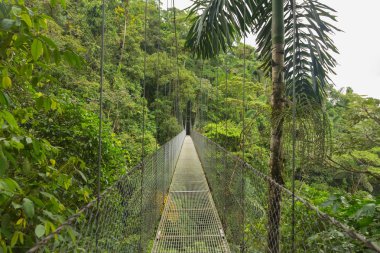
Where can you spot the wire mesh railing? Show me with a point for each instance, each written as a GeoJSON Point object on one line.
{"type": "Point", "coordinates": [190, 222]}
{"type": "Point", "coordinates": [127, 214]}
{"type": "Point", "coordinates": [256, 212]}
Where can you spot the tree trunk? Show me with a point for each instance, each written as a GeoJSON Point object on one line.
{"type": "Point", "coordinates": [277, 122]}
{"type": "Point", "coordinates": [124, 33]}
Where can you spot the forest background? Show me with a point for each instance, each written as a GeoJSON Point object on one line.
{"type": "Point", "coordinates": [50, 65]}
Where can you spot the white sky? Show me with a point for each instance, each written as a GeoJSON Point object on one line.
{"type": "Point", "coordinates": [359, 59]}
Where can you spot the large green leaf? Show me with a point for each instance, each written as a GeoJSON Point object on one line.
{"type": "Point", "coordinates": [10, 119]}
{"type": "Point", "coordinates": [6, 82]}
{"type": "Point", "coordinates": [26, 18]}
{"type": "Point", "coordinates": [218, 25]}
{"type": "Point", "coordinates": [37, 49]}
{"type": "Point", "coordinates": [9, 185]}
{"type": "Point", "coordinates": [39, 230]}
{"type": "Point", "coordinates": [28, 207]}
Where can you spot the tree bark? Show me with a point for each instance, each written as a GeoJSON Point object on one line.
{"type": "Point", "coordinates": [124, 33]}
{"type": "Point", "coordinates": [277, 122]}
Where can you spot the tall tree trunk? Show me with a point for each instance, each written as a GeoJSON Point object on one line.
{"type": "Point", "coordinates": [277, 122]}
{"type": "Point", "coordinates": [122, 48]}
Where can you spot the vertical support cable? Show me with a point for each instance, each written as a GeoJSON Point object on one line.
{"type": "Point", "coordinates": [100, 122]}
{"type": "Point", "coordinates": [158, 64]}
{"type": "Point", "coordinates": [177, 60]}
{"type": "Point", "coordinates": [225, 141]}
{"type": "Point", "coordinates": [200, 96]}
{"type": "Point", "coordinates": [170, 52]}
{"type": "Point", "coordinates": [143, 125]}
{"type": "Point", "coordinates": [226, 193]}
{"type": "Point", "coordinates": [216, 156]}
{"type": "Point", "coordinates": [243, 132]}
{"type": "Point", "coordinates": [206, 106]}
{"type": "Point", "coordinates": [157, 184]}
{"type": "Point", "coordinates": [217, 102]}
{"type": "Point", "coordinates": [225, 102]}
{"type": "Point", "coordinates": [294, 115]}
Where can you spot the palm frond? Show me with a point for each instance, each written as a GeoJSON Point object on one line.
{"type": "Point", "coordinates": [313, 43]}
{"type": "Point", "coordinates": [221, 22]}
{"type": "Point", "coordinates": [218, 25]}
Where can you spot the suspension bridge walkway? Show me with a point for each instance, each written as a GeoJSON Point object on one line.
{"type": "Point", "coordinates": [191, 195]}
{"type": "Point", "coordinates": [190, 221]}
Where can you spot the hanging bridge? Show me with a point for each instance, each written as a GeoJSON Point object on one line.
{"type": "Point", "coordinates": [192, 195]}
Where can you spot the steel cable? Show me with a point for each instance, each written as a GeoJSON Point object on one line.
{"type": "Point", "coordinates": [243, 131]}
{"type": "Point", "coordinates": [177, 65]}
{"type": "Point", "coordinates": [143, 118]}
{"type": "Point", "coordinates": [294, 122]}
{"type": "Point", "coordinates": [100, 114]}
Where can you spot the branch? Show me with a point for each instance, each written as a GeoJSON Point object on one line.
{"type": "Point", "coordinates": [376, 119]}
{"type": "Point", "coordinates": [342, 167]}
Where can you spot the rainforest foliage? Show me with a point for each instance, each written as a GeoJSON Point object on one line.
{"type": "Point", "coordinates": [49, 105]}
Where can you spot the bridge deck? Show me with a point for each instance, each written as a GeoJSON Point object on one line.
{"type": "Point", "coordinates": [190, 222]}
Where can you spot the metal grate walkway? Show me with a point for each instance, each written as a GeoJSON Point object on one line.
{"type": "Point", "coordinates": [190, 222]}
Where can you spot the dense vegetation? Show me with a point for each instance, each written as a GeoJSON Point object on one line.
{"type": "Point", "coordinates": [340, 175]}
{"type": "Point", "coordinates": [49, 61]}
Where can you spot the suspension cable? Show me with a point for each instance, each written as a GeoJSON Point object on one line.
{"type": "Point", "coordinates": [244, 84]}
{"type": "Point", "coordinates": [294, 115]}
{"type": "Point", "coordinates": [225, 133]}
{"type": "Point", "coordinates": [100, 120]}
{"type": "Point", "coordinates": [217, 99]}
{"type": "Point", "coordinates": [143, 119]}
{"type": "Point", "coordinates": [157, 66]}
{"type": "Point", "coordinates": [225, 99]}
{"type": "Point", "coordinates": [169, 92]}
{"type": "Point", "coordinates": [144, 79]}
{"type": "Point", "coordinates": [177, 60]}
{"type": "Point", "coordinates": [200, 100]}
{"type": "Point", "coordinates": [243, 132]}
{"type": "Point", "coordinates": [206, 102]}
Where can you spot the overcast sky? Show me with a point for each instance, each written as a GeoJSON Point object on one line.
{"type": "Point", "coordinates": [359, 60]}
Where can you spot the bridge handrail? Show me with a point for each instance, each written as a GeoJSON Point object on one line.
{"type": "Point", "coordinates": [70, 220]}
{"type": "Point", "coordinates": [345, 228]}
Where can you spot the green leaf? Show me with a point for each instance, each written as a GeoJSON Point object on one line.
{"type": "Point", "coordinates": [10, 119]}
{"type": "Point", "coordinates": [6, 82]}
{"type": "Point", "coordinates": [14, 239]}
{"type": "Point", "coordinates": [71, 234]}
{"type": "Point", "coordinates": [16, 206]}
{"type": "Point", "coordinates": [82, 175]}
{"type": "Point", "coordinates": [9, 185]}
{"type": "Point", "coordinates": [16, 143]}
{"type": "Point", "coordinates": [37, 49]}
{"type": "Point", "coordinates": [28, 207]}
{"type": "Point", "coordinates": [4, 164]}
{"type": "Point", "coordinates": [26, 18]}
{"type": "Point", "coordinates": [40, 230]}
{"type": "Point", "coordinates": [49, 42]}
{"type": "Point", "coordinates": [72, 59]}
{"type": "Point", "coordinates": [21, 237]}
{"type": "Point", "coordinates": [6, 23]}
{"type": "Point", "coordinates": [367, 210]}
{"type": "Point", "coordinates": [3, 98]}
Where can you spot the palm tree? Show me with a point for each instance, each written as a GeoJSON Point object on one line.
{"type": "Point", "coordinates": [294, 41]}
